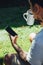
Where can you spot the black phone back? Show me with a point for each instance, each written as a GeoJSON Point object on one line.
{"type": "Point", "coordinates": [10, 31]}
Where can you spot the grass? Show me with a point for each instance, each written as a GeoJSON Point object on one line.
{"type": "Point", "coordinates": [13, 17]}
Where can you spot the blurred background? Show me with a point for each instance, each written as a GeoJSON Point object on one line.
{"type": "Point", "coordinates": [13, 3]}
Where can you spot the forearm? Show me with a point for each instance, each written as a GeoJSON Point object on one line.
{"type": "Point", "coordinates": [17, 48]}
{"type": "Point", "coordinates": [20, 51]}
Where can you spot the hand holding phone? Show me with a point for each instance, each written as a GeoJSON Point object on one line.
{"type": "Point", "coordinates": [10, 31]}
{"type": "Point", "coordinates": [12, 34]}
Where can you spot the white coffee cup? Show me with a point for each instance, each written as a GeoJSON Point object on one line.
{"type": "Point", "coordinates": [29, 17]}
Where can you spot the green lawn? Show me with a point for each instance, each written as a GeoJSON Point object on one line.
{"type": "Point", "coordinates": [13, 17]}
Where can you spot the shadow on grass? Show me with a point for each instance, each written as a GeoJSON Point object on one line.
{"type": "Point", "coordinates": [15, 23]}
{"type": "Point", "coordinates": [12, 23]}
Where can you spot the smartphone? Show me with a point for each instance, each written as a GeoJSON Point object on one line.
{"type": "Point", "coordinates": [10, 31]}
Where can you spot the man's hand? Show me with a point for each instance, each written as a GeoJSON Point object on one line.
{"type": "Point", "coordinates": [14, 39]}
{"type": "Point", "coordinates": [32, 36]}
{"type": "Point", "coordinates": [21, 53]}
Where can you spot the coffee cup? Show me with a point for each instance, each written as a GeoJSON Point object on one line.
{"type": "Point", "coordinates": [29, 17]}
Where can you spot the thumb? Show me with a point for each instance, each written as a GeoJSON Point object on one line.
{"type": "Point", "coordinates": [14, 38]}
